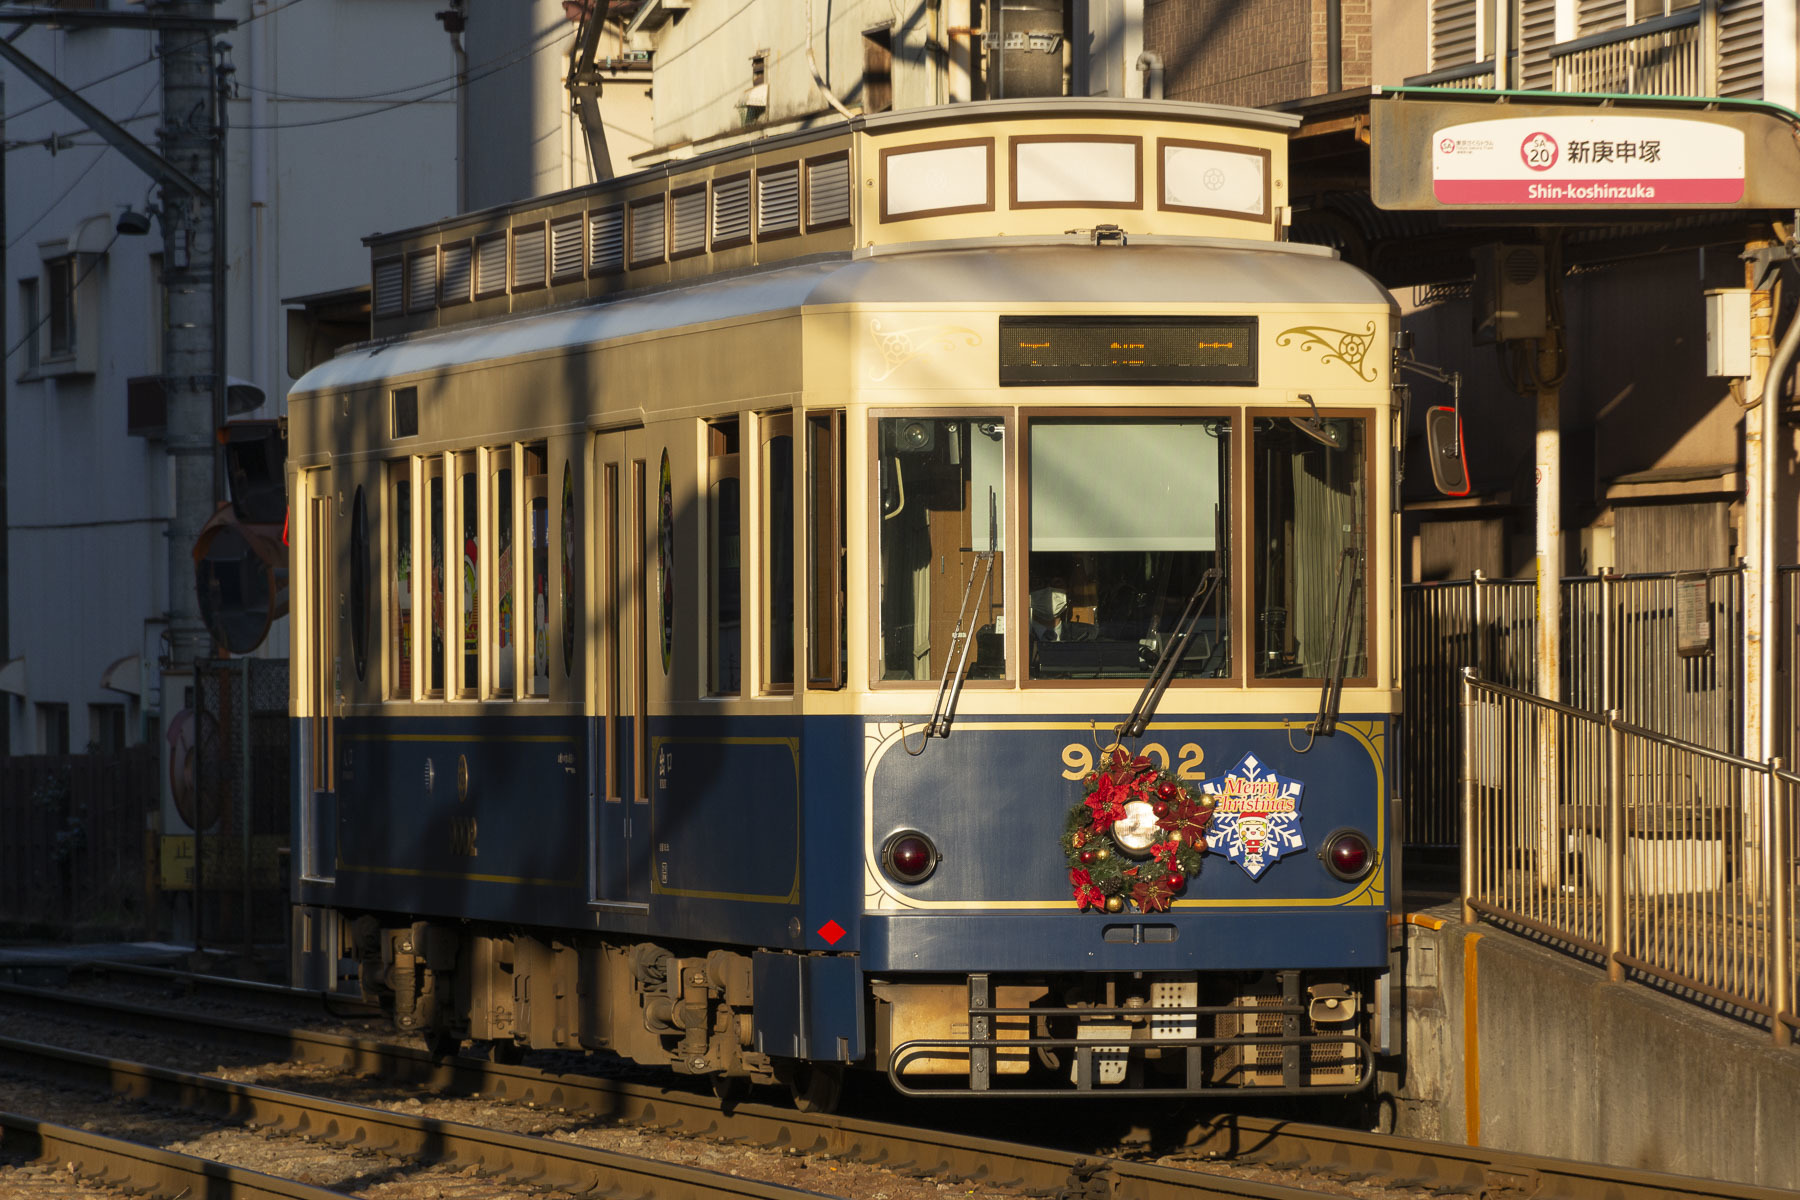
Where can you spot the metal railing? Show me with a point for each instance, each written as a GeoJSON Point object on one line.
{"type": "Point", "coordinates": [1660, 57]}
{"type": "Point", "coordinates": [1474, 75]}
{"type": "Point", "coordinates": [1663, 858]}
{"type": "Point", "coordinates": [1667, 650]}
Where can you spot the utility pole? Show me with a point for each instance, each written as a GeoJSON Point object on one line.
{"type": "Point", "coordinates": [189, 247]}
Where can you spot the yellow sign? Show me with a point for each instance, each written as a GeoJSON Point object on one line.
{"type": "Point", "coordinates": [224, 865]}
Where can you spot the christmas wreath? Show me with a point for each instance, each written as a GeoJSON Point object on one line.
{"type": "Point", "coordinates": [1138, 834]}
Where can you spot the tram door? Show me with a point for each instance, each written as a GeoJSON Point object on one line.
{"type": "Point", "coordinates": [623, 506]}
{"type": "Point", "coordinates": [321, 667]}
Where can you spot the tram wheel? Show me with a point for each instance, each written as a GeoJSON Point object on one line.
{"type": "Point", "coordinates": [815, 1087]}
{"type": "Point", "coordinates": [507, 1052]}
{"type": "Point", "coordinates": [442, 1045]}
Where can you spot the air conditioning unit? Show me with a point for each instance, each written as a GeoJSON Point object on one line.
{"type": "Point", "coordinates": [1509, 294]}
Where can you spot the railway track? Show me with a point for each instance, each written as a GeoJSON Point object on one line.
{"type": "Point", "coordinates": [305, 1001]}
{"type": "Point", "coordinates": [114, 1163]}
{"type": "Point", "coordinates": [1321, 1152]}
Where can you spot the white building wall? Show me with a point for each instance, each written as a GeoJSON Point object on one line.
{"type": "Point", "coordinates": [522, 138]}
{"type": "Point", "coordinates": [706, 94]}
{"type": "Point", "coordinates": [703, 64]}
{"type": "Point", "coordinates": [346, 110]}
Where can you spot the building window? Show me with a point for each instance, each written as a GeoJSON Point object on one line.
{"type": "Point", "coordinates": [53, 728]}
{"type": "Point", "coordinates": [878, 69]}
{"type": "Point", "coordinates": [106, 728]}
{"type": "Point", "coordinates": [29, 316]}
{"type": "Point", "coordinates": [60, 274]}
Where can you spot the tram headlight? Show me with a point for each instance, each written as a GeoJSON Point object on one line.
{"type": "Point", "coordinates": [1137, 831]}
{"type": "Point", "coordinates": [1347, 854]}
{"type": "Point", "coordinates": [909, 856]}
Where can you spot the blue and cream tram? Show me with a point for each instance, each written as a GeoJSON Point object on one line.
{"type": "Point", "coordinates": [914, 595]}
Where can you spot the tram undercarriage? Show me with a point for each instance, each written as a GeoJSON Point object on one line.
{"type": "Point", "coordinates": [1170, 1033]}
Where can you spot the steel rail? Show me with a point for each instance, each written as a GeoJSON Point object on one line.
{"type": "Point", "coordinates": [333, 1004]}
{"type": "Point", "coordinates": [110, 1162]}
{"type": "Point", "coordinates": [542, 1162]}
{"type": "Point", "coordinates": [1272, 1143]}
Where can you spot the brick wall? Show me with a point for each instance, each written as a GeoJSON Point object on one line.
{"type": "Point", "coordinates": [1253, 52]}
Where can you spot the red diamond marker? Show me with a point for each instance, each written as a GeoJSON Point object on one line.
{"type": "Point", "coordinates": [831, 931]}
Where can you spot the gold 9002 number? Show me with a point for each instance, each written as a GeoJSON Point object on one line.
{"type": "Point", "coordinates": [1078, 759]}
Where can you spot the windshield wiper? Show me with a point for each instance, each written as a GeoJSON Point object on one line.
{"type": "Point", "coordinates": [956, 663]}
{"type": "Point", "coordinates": [1170, 658]}
{"type": "Point", "coordinates": [1343, 603]}
{"type": "Point", "coordinates": [1211, 581]}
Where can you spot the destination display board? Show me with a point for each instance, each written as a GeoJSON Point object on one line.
{"type": "Point", "coordinates": [1048, 351]}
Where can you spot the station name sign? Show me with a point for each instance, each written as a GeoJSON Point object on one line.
{"type": "Point", "coordinates": [1050, 351]}
{"type": "Point", "coordinates": [1430, 154]}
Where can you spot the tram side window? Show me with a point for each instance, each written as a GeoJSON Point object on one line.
{"type": "Point", "coordinates": [468, 524]}
{"type": "Point", "coordinates": [435, 517]}
{"type": "Point", "coordinates": [1128, 521]}
{"type": "Point", "coordinates": [400, 603]}
{"type": "Point", "coordinates": [826, 648]}
{"type": "Point", "coordinates": [1311, 519]}
{"type": "Point", "coordinates": [724, 532]}
{"type": "Point", "coordinates": [778, 552]}
{"type": "Point", "coordinates": [942, 488]}
{"type": "Point", "coordinates": [505, 619]}
{"type": "Point", "coordinates": [537, 532]}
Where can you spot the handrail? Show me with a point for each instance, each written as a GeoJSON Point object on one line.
{"type": "Point", "coordinates": [1656, 898]}
{"type": "Point", "coordinates": [1629, 33]}
{"type": "Point", "coordinates": [1512, 693]}
{"type": "Point", "coordinates": [1447, 74]}
{"type": "Point", "coordinates": [1615, 722]}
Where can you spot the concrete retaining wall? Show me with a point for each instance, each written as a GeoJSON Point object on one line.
{"type": "Point", "coordinates": [1516, 1045]}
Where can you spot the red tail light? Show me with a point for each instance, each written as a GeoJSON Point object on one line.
{"type": "Point", "coordinates": [1348, 855]}
{"type": "Point", "coordinates": [909, 856]}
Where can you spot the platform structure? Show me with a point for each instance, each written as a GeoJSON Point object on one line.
{"type": "Point", "coordinates": [1606, 972]}
{"type": "Point", "coordinates": [1512, 1041]}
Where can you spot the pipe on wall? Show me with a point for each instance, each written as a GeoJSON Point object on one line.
{"type": "Point", "coordinates": [1152, 69]}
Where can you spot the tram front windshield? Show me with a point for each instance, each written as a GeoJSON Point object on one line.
{"type": "Point", "coordinates": [1126, 519]}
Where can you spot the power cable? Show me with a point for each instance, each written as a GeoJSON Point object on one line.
{"type": "Point", "coordinates": [84, 174]}
{"type": "Point", "coordinates": [144, 62]}
{"type": "Point", "coordinates": [370, 97]}
{"type": "Point", "coordinates": [398, 104]}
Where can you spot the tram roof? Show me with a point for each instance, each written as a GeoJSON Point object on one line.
{"type": "Point", "coordinates": [1159, 271]}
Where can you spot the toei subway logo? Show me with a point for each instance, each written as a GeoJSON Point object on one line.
{"type": "Point", "coordinates": [1540, 151]}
